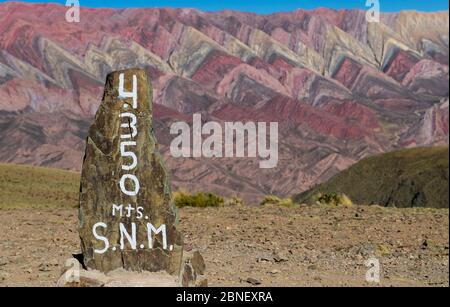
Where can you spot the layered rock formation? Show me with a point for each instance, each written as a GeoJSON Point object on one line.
{"type": "Point", "coordinates": [341, 88]}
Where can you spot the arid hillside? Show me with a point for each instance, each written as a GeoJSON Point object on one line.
{"type": "Point", "coordinates": [407, 178]}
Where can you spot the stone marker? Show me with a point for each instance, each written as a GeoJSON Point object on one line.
{"type": "Point", "coordinates": [126, 216]}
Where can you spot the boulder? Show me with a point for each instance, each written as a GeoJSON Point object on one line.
{"type": "Point", "coordinates": [127, 219]}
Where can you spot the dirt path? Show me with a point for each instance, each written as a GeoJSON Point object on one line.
{"type": "Point", "coordinates": [303, 246]}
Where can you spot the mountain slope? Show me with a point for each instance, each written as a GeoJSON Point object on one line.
{"type": "Point", "coordinates": [340, 88]}
{"type": "Point", "coordinates": [408, 178]}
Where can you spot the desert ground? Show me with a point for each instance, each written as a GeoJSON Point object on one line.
{"type": "Point", "coordinates": [257, 246]}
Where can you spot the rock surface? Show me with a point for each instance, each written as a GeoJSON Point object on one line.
{"type": "Point", "coordinates": [117, 278]}
{"type": "Point", "coordinates": [125, 186]}
{"type": "Point", "coordinates": [193, 270]}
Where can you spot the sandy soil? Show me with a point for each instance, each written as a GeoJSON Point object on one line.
{"type": "Point", "coordinates": [269, 246]}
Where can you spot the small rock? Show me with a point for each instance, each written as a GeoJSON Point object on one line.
{"type": "Point", "coordinates": [253, 281]}
{"type": "Point", "coordinates": [4, 276]}
{"type": "Point", "coordinates": [312, 267]}
{"type": "Point", "coordinates": [280, 258]}
{"type": "Point", "coordinates": [44, 267]}
{"type": "Point", "coordinates": [309, 246]}
{"type": "Point", "coordinates": [198, 263]}
{"type": "Point", "coordinates": [263, 259]}
{"type": "Point", "coordinates": [274, 272]}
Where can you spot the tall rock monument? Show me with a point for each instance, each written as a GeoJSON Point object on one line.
{"type": "Point", "coordinates": [126, 217]}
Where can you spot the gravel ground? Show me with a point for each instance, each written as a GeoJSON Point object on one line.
{"type": "Point", "coordinates": [258, 246]}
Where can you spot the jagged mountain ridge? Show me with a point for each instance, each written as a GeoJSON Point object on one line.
{"type": "Point", "coordinates": [341, 88]}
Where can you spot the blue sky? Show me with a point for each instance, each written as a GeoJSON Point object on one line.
{"type": "Point", "coordinates": [263, 6]}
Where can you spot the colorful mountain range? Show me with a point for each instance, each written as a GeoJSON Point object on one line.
{"type": "Point", "coordinates": [340, 87]}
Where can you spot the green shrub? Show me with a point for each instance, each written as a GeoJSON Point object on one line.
{"type": "Point", "coordinates": [199, 200]}
{"type": "Point", "coordinates": [234, 201]}
{"type": "Point", "coordinates": [383, 250]}
{"type": "Point", "coordinates": [275, 200]}
{"type": "Point", "coordinates": [332, 199]}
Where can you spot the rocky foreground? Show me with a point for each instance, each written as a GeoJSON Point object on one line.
{"type": "Point", "coordinates": [257, 246]}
